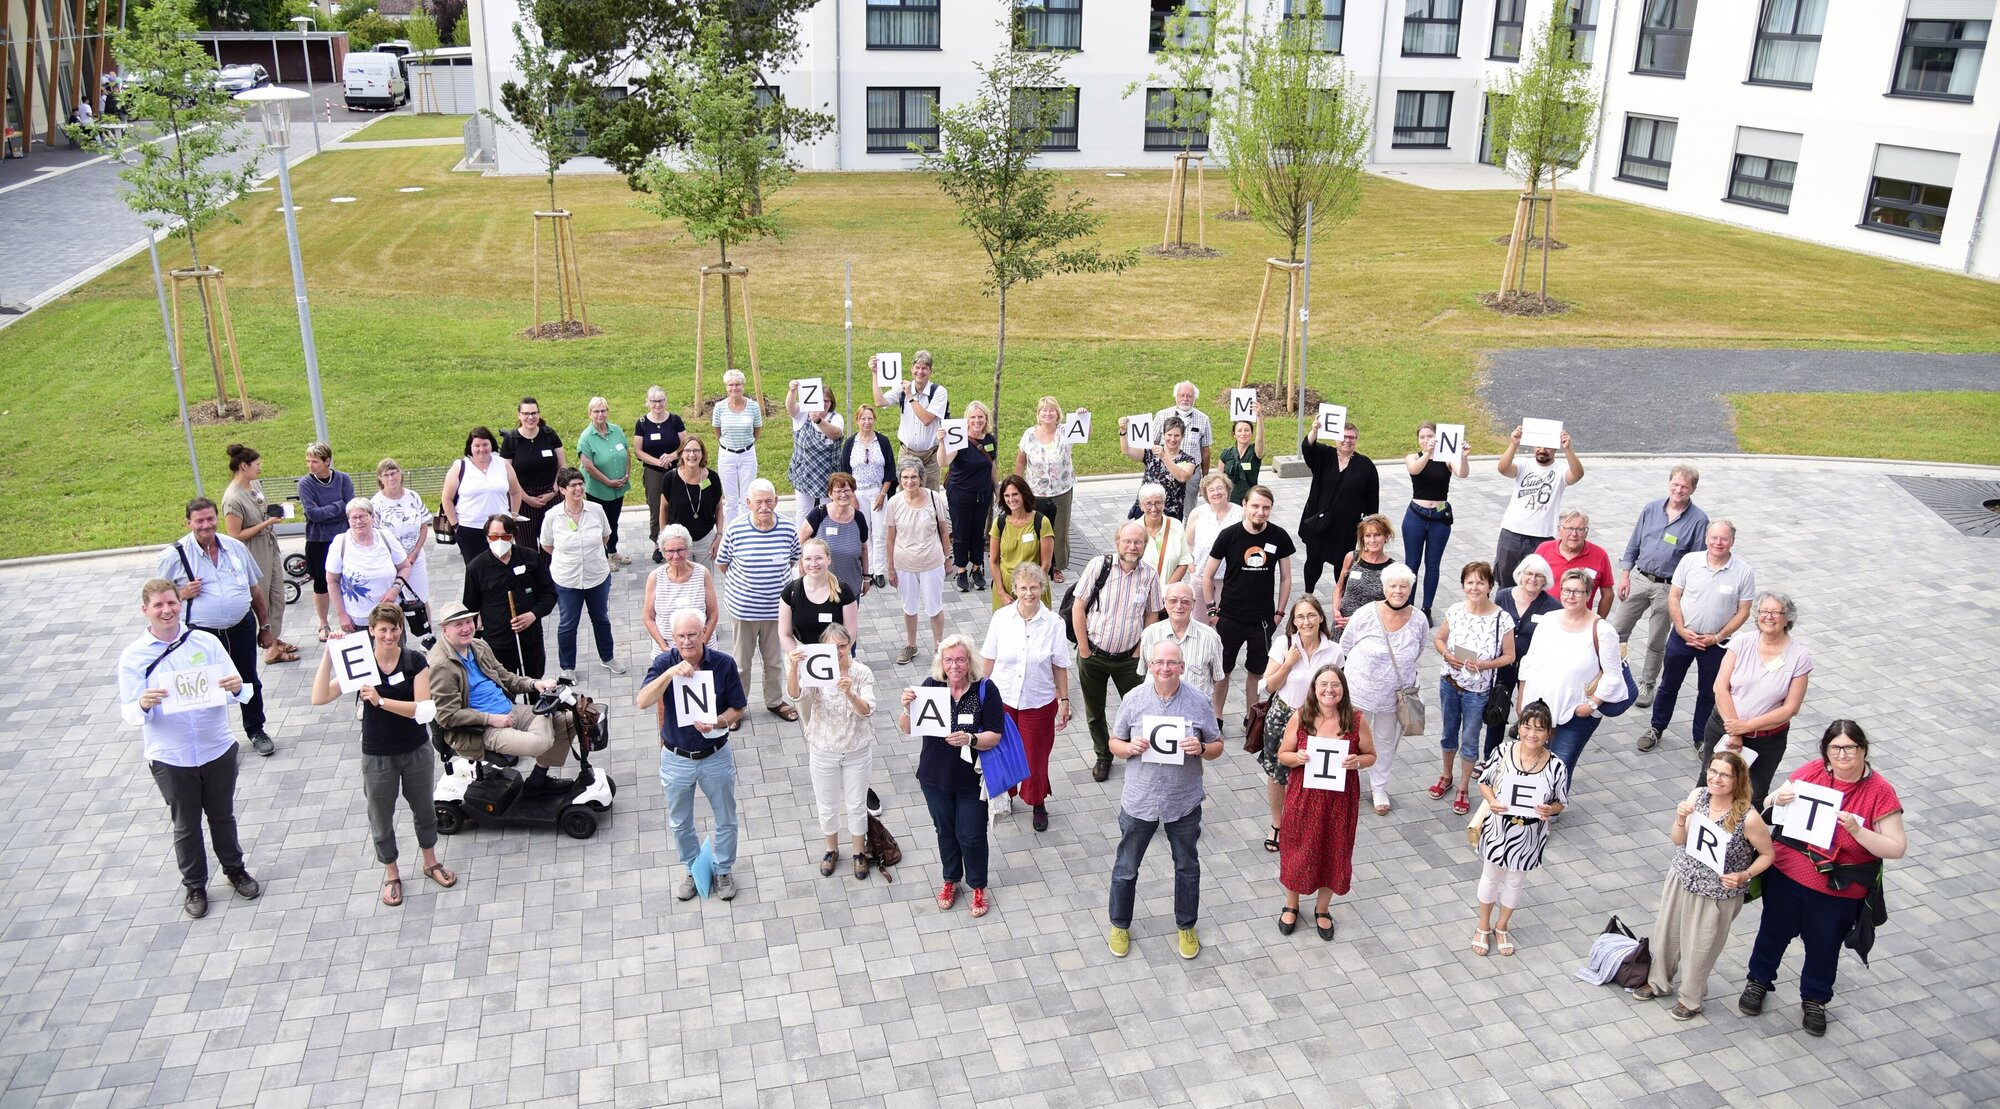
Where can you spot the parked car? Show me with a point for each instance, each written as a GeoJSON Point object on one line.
{"type": "Point", "coordinates": [375, 80]}
{"type": "Point", "coordinates": [398, 47]}
{"type": "Point", "coordinates": [241, 78]}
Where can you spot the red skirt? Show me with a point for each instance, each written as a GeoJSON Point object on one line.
{"type": "Point", "coordinates": [1316, 844]}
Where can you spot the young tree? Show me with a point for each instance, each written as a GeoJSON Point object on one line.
{"type": "Point", "coordinates": [1197, 41]}
{"type": "Point", "coordinates": [422, 32]}
{"type": "Point", "coordinates": [542, 108]}
{"type": "Point", "coordinates": [461, 31]}
{"type": "Point", "coordinates": [177, 182]}
{"type": "Point", "coordinates": [985, 163]}
{"type": "Point", "coordinates": [715, 183]}
{"type": "Point", "coordinates": [1544, 120]}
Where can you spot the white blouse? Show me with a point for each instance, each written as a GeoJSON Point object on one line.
{"type": "Point", "coordinates": [1373, 672]}
{"type": "Point", "coordinates": [482, 494]}
{"type": "Point", "coordinates": [1024, 654]}
{"type": "Point", "coordinates": [1561, 664]}
{"type": "Point", "coordinates": [1203, 528]}
{"type": "Point", "coordinates": [576, 546]}
{"type": "Point", "coordinates": [1298, 682]}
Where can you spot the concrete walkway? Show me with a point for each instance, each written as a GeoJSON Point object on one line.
{"type": "Point", "coordinates": [564, 973]}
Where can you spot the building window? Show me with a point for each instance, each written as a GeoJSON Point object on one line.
{"type": "Point", "coordinates": [899, 117]}
{"type": "Point", "coordinates": [1489, 151]}
{"type": "Point", "coordinates": [1788, 43]}
{"type": "Point", "coordinates": [768, 97]}
{"type": "Point", "coordinates": [1649, 151]}
{"type": "Point", "coordinates": [1907, 208]}
{"type": "Point", "coordinates": [1665, 33]}
{"type": "Point", "coordinates": [1062, 121]}
{"type": "Point", "coordinates": [1332, 16]}
{"type": "Point", "coordinates": [1762, 182]}
{"type": "Point", "coordinates": [1161, 134]}
{"type": "Point", "coordinates": [902, 24]}
{"type": "Point", "coordinates": [1941, 58]}
{"type": "Point", "coordinates": [1506, 45]}
{"type": "Point", "coordinates": [1582, 29]}
{"type": "Point", "coordinates": [1423, 119]}
{"type": "Point", "coordinates": [1051, 24]}
{"type": "Point", "coordinates": [1193, 32]}
{"type": "Point", "coordinates": [1430, 28]}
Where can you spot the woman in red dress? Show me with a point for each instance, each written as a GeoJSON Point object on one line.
{"type": "Point", "coordinates": [1318, 852]}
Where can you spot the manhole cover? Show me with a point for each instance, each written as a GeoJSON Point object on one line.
{"type": "Point", "coordinates": [1973, 507]}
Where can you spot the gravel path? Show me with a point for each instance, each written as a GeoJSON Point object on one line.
{"type": "Point", "coordinates": [1611, 399]}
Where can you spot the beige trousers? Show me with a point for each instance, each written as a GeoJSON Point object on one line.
{"type": "Point", "coordinates": [1689, 937]}
{"type": "Point", "coordinates": [542, 738]}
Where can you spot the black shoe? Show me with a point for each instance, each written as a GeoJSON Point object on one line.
{"type": "Point", "coordinates": [1287, 927]}
{"type": "Point", "coordinates": [1101, 771]}
{"type": "Point", "coordinates": [1815, 1018]}
{"type": "Point", "coordinates": [658, 557]}
{"type": "Point", "coordinates": [196, 905]}
{"type": "Point", "coordinates": [964, 585]}
{"type": "Point", "coordinates": [1041, 818]}
{"type": "Point", "coordinates": [1325, 930]}
{"type": "Point", "coordinates": [545, 785]}
{"type": "Point", "coordinates": [1752, 1001]}
{"type": "Point", "coordinates": [979, 580]}
{"type": "Point", "coordinates": [262, 744]}
{"type": "Point", "coordinates": [245, 886]}
{"type": "Point", "coordinates": [881, 582]}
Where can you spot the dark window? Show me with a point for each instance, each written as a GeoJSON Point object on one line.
{"type": "Point", "coordinates": [1763, 182]}
{"type": "Point", "coordinates": [1051, 24]}
{"type": "Point", "coordinates": [1488, 148]}
{"type": "Point", "coordinates": [899, 117]}
{"type": "Point", "coordinates": [1788, 43]}
{"type": "Point", "coordinates": [1324, 33]}
{"type": "Point", "coordinates": [1194, 31]}
{"type": "Point", "coordinates": [1665, 33]}
{"type": "Point", "coordinates": [1941, 58]}
{"type": "Point", "coordinates": [1906, 208]}
{"type": "Point", "coordinates": [902, 24]}
{"type": "Point", "coordinates": [1423, 119]}
{"type": "Point", "coordinates": [1161, 134]}
{"type": "Point", "coordinates": [1430, 28]}
{"type": "Point", "coordinates": [1649, 151]}
{"type": "Point", "coordinates": [1582, 29]}
{"type": "Point", "coordinates": [768, 96]}
{"type": "Point", "coordinates": [1506, 45]}
{"type": "Point", "coordinates": [1062, 123]}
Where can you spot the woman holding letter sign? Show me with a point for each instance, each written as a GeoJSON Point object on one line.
{"type": "Point", "coordinates": [1511, 839]}
{"type": "Point", "coordinates": [1698, 903]}
{"type": "Point", "coordinates": [1167, 464]}
{"type": "Point", "coordinates": [840, 743]}
{"type": "Point", "coordinates": [1427, 522]}
{"type": "Point", "coordinates": [1044, 458]}
{"type": "Point", "coordinates": [1821, 895]}
{"type": "Point", "coordinates": [971, 721]}
{"type": "Point", "coordinates": [1318, 853]}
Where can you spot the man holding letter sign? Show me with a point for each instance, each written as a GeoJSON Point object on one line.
{"type": "Point", "coordinates": [1530, 517]}
{"type": "Point", "coordinates": [1317, 853]}
{"type": "Point", "coordinates": [191, 754]}
{"type": "Point", "coordinates": [1724, 845]}
{"type": "Point", "coordinates": [1819, 896]}
{"type": "Point", "coordinates": [694, 744]}
{"type": "Point", "coordinates": [1159, 793]}
{"type": "Point", "coordinates": [924, 406]}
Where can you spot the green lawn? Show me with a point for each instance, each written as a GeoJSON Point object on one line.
{"type": "Point", "coordinates": [1945, 427]}
{"type": "Point", "coordinates": [417, 299]}
{"type": "Point", "coordinates": [405, 126]}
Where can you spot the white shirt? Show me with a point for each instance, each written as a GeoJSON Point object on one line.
{"type": "Point", "coordinates": [1201, 651]}
{"type": "Point", "coordinates": [912, 431]}
{"type": "Point", "coordinates": [226, 580]}
{"type": "Point", "coordinates": [1024, 653]}
{"type": "Point", "coordinates": [1538, 498]}
{"type": "Point", "coordinates": [1298, 682]}
{"type": "Point", "coordinates": [576, 546]}
{"type": "Point", "coordinates": [1561, 664]}
{"type": "Point", "coordinates": [1202, 530]}
{"type": "Point", "coordinates": [193, 738]}
{"type": "Point", "coordinates": [482, 494]}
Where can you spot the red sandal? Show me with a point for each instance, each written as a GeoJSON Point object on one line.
{"type": "Point", "coordinates": [1439, 787]}
{"type": "Point", "coordinates": [1462, 805]}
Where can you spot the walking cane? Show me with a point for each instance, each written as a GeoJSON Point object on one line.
{"type": "Point", "coordinates": [520, 660]}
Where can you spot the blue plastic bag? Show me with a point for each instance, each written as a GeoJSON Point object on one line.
{"type": "Point", "coordinates": [703, 868]}
{"type": "Point", "coordinates": [1006, 765]}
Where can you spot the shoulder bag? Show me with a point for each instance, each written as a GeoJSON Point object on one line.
{"type": "Point", "coordinates": [1610, 708]}
{"type": "Point", "coordinates": [1409, 704]}
{"type": "Point", "coordinates": [441, 528]}
{"type": "Point", "coordinates": [1497, 706]}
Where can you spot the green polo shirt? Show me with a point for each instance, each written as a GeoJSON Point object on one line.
{"type": "Point", "coordinates": [611, 453]}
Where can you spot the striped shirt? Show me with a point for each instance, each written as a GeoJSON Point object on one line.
{"type": "Point", "coordinates": [756, 565]}
{"type": "Point", "coordinates": [1128, 598]}
{"type": "Point", "coordinates": [737, 430]}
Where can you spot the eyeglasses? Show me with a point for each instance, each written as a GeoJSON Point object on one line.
{"type": "Point", "coordinates": [672, 551]}
{"type": "Point", "coordinates": [1576, 592]}
{"type": "Point", "coordinates": [1770, 615]}
{"type": "Point", "coordinates": [1842, 750]}
{"type": "Point", "coordinates": [1180, 600]}
{"type": "Point", "coordinates": [1575, 531]}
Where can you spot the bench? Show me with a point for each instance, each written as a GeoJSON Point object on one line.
{"type": "Point", "coordinates": [425, 481]}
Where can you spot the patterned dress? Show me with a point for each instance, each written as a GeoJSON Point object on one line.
{"type": "Point", "coordinates": [1515, 842]}
{"type": "Point", "coordinates": [1317, 849]}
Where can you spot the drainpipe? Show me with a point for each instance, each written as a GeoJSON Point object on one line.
{"type": "Point", "coordinates": [1985, 194]}
{"type": "Point", "coordinates": [1381, 40]}
{"type": "Point", "coordinates": [839, 131]}
{"type": "Point", "coordinates": [1604, 91]}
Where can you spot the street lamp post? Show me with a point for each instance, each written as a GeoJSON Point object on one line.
{"type": "Point", "coordinates": [274, 107]}
{"type": "Point", "coordinates": [305, 51]}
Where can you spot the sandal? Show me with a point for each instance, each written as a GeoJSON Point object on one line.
{"type": "Point", "coordinates": [392, 892]}
{"type": "Point", "coordinates": [826, 863]}
{"type": "Point", "coordinates": [1505, 946]}
{"type": "Point", "coordinates": [437, 872]}
{"type": "Point", "coordinates": [324, 632]}
{"type": "Point", "coordinates": [784, 712]}
{"type": "Point", "coordinates": [1286, 927]}
{"type": "Point", "coordinates": [1057, 577]}
{"type": "Point", "coordinates": [1479, 944]}
{"type": "Point", "coordinates": [861, 867]}
{"type": "Point", "coordinates": [1440, 787]}
{"type": "Point", "coordinates": [1462, 805]}
{"type": "Point", "coordinates": [1271, 841]}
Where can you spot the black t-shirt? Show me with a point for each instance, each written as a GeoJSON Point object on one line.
{"type": "Point", "coordinates": [1250, 569]}
{"type": "Point", "coordinates": [658, 439]}
{"type": "Point", "coordinates": [534, 459]}
{"type": "Point", "coordinates": [809, 618]}
{"type": "Point", "coordinates": [382, 731]}
{"type": "Point", "coordinates": [1432, 483]}
{"type": "Point", "coordinates": [972, 467]}
{"type": "Point", "coordinates": [693, 507]}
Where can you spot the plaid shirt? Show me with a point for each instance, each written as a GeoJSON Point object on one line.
{"type": "Point", "coordinates": [813, 458]}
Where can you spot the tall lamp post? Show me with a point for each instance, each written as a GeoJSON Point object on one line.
{"type": "Point", "coordinates": [305, 51]}
{"type": "Point", "coordinates": [273, 105]}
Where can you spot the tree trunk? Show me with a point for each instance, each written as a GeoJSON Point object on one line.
{"type": "Point", "coordinates": [1180, 209]}
{"type": "Point", "coordinates": [208, 329]}
{"type": "Point", "coordinates": [728, 329]}
{"type": "Point", "coordinates": [999, 361]}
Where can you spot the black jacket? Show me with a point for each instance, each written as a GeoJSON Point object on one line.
{"type": "Point", "coordinates": [488, 583]}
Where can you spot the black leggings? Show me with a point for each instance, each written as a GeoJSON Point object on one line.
{"type": "Point", "coordinates": [611, 510]}
{"type": "Point", "coordinates": [969, 512]}
{"type": "Point", "coordinates": [1327, 552]}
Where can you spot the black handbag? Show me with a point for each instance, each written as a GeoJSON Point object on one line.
{"type": "Point", "coordinates": [1638, 966]}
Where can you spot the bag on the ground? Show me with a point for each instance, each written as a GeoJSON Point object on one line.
{"type": "Point", "coordinates": [883, 849]}
{"type": "Point", "coordinates": [1636, 965]}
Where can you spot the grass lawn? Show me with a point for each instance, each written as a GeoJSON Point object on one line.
{"type": "Point", "coordinates": [428, 125]}
{"type": "Point", "coordinates": [1946, 427]}
{"type": "Point", "coordinates": [417, 298]}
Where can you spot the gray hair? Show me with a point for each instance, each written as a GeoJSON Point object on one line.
{"type": "Point", "coordinates": [838, 629]}
{"type": "Point", "coordinates": [1724, 522]}
{"type": "Point", "coordinates": [909, 466]}
{"type": "Point", "coordinates": [1153, 652]}
{"type": "Point", "coordinates": [1575, 514]}
{"type": "Point", "coordinates": [653, 391]}
{"type": "Point", "coordinates": [675, 531]}
{"type": "Point", "coordinates": [1037, 581]}
{"type": "Point", "coordinates": [1534, 564]}
{"type": "Point", "coordinates": [360, 502]}
{"type": "Point", "coordinates": [1189, 384]}
{"type": "Point", "coordinates": [1785, 601]}
{"type": "Point", "coordinates": [921, 358]}
{"type": "Point", "coordinates": [1398, 574]}
{"type": "Point", "coordinates": [594, 402]}
{"type": "Point", "coordinates": [732, 377]}
{"type": "Point", "coordinates": [971, 653]}
{"type": "Point", "coordinates": [1692, 475]}
{"type": "Point", "coordinates": [759, 485]}
{"type": "Point", "coordinates": [1152, 489]}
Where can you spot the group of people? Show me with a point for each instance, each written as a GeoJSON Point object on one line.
{"type": "Point", "coordinates": [1199, 577]}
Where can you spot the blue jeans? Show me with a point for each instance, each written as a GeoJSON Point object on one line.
{"type": "Point", "coordinates": [569, 605]}
{"type": "Point", "coordinates": [1822, 920]}
{"type": "Point", "coordinates": [960, 817]}
{"type": "Point", "coordinates": [1707, 664]}
{"type": "Point", "coordinates": [1134, 836]}
{"type": "Point", "coordinates": [1425, 532]}
{"type": "Point", "coordinates": [716, 775]}
{"type": "Point", "coordinates": [1570, 739]}
{"type": "Point", "coordinates": [1464, 721]}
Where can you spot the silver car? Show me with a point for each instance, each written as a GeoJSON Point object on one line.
{"type": "Point", "coordinates": [241, 78]}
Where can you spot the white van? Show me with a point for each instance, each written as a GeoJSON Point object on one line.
{"type": "Point", "coordinates": [375, 80]}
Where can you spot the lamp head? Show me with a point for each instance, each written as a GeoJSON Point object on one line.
{"type": "Point", "coordinates": [273, 104]}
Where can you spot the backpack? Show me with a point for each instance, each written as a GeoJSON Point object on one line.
{"type": "Point", "coordinates": [883, 849]}
{"type": "Point", "coordinates": [1069, 599]}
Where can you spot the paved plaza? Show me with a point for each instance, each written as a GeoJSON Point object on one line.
{"type": "Point", "coordinates": [564, 973]}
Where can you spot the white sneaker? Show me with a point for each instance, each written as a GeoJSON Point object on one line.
{"type": "Point", "coordinates": [567, 675]}
{"type": "Point", "coordinates": [614, 666]}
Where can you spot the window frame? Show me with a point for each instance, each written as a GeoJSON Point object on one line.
{"type": "Point", "coordinates": [1150, 142]}
{"type": "Point", "coordinates": [1518, 23]}
{"type": "Point", "coordinates": [1456, 22]}
{"type": "Point", "coordinates": [1045, 8]}
{"type": "Point", "coordinates": [1625, 152]}
{"type": "Point", "coordinates": [1396, 129]}
{"type": "Point", "coordinates": [1794, 35]}
{"type": "Point", "coordinates": [1736, 176]}
{"type": "Point", "coordinates": [1649, 33]}
{"type": "Point", "coordinates": [1076, 118]}
{"type": "Point", "coordinates": [1336, 22]}
{"type": "Point", "coordinates": [1957, 45]}
{"type": "Point", "coordinates": [1874, 200]}
{"type": "Point", "coordinates": [902, 115]}
{"type": "Point", "coordinates": [1581, 8]}
{"type": "Point", "coordinates": [1156, 22]}
{"type": "Point", "coordinates": [934, 7]}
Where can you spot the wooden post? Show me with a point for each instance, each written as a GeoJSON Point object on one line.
{"type": "Point", "coordinates": [1294, 273]}
{"type": "Point", "coordinates": [1256, 327]}
{"type": "Point", "coordinates": [742, 275]}
{"type": "Point", "coordinates": [569, 270]}
{"type": "Point", "coordinates": [700, 330]}
{"type": "Point", "coordinates": [1173, 181]}
{"type": "Point", "coordinates": [1200, 205]}
{"type": "Point", "coordinates": [1521, 209]}
{"type": "Point", "coordinates": [208, 283]}
{"type": "Point", "coordinates": [576, 275]}
{"type": "Point", "coordinates": [229, 333]}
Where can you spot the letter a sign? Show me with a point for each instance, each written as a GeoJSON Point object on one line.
{"type": "Point", "coordinates": [930, 713]}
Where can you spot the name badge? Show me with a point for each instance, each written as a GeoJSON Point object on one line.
{"type": "Point", "coordinates": [1270, 548]}
{"type": "Point", "coordinates": [519, 570]}
{"type": "Point", "coordinates": [620, 447]}
{"type": "Point", "coordinates": [965, 723]}
{"type": "Point", "coordinates": [548, 454]}
{"type": "Point", "coordinates": [394, 679]}
{"type": "Point", "coordinates": [1537, 618]}
{"type": "Point", "coordinates": [832, 530]}
{"type": "Point", "coordinates": [1671, 539]}
{"type": "Point", "coordinates": [826, 617]}
{"type": "Point", "coordinates": [653, 436]}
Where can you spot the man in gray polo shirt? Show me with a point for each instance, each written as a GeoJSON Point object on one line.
{"type": "Point", "coordinates": [1161, 793]}
{"type": "Point", "coordinates": [1668, 530]}
{"type": "Point", "coordinates": [1709, 600]}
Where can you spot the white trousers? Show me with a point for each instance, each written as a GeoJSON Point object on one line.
{"type": "Point", "coordinates": [840, 787]}
{"type": "Point", "coordinates": [1387, 733]}
{"type": "Point", "coordinates": [1497, 883]}
{"type": "Point", "coordinates": [737, 470]}
{"type": "Point", "coordinates": [877, 554]}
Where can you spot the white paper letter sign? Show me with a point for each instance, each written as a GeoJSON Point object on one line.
{"type": "Point", "coordinates": [694, 698]}
{"type": "Point", "coordinates": [1241, 404]}
{"type": "Point", "coordinates": [819, 669]}
{"type": "Point", "coordinates": [354, 661]}
{"type": "Point", "coordinates": [1813, 814]}
{"type": "Point", "coordinates": [888, 369]}
{"type": "Point", "coordinates": [1323, 758]}
{"type": "Point", "coordinates": [1451, 441]}
{"type": "Point", "coordinates": [1139, 429]}
{"type": "Point", "coordinates": [812, 394]}
{"type": "Point", "coordinates": [930, 713]}
{"type": "Point", "coordinates": [187, 690]}
{"type": "Point", "coordinates": [1076, 428]}
{"type": "Point", "coordinates": [1706, 841]}
{"type": "Point", "coordinates": [1332, 421]}
{"type": "Point", "coordinates": [1163, 735]}
{"type": "Point", "coordinates": [954, 435]}
{"type": "Point", "coordinates": [1542, 433]}
{"type": "Point", "coordinates": [1522, 795]}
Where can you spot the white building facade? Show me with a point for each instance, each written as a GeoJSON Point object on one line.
{"type": "Point", "coordinates": [1863, 124]}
